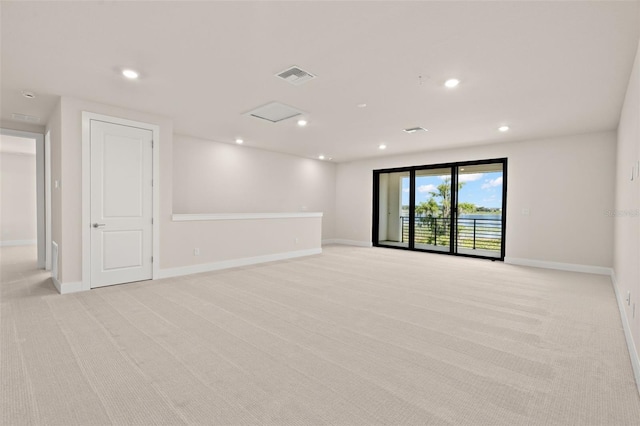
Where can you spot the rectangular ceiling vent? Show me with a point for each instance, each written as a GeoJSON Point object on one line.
{"type": "Point", "coordinates": [415, 129]}
{"type": "Point", "coordinates": [24, 117]}
{"type": "Point", "coordinates": [274, 112]}
{"type": "Point", "coordinates": [295, 76]}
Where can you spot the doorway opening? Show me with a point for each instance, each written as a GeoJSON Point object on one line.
{"type": "Point", "coordinates": [22, 166]}
{"type": "Point", "coordinates": [454, 208]}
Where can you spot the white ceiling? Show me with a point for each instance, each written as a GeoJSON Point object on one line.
{"type": "Point", "coordinates": [544, 68]}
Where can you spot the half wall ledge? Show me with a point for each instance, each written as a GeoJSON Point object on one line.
{"type": "Point", "coordinates": [241, 216]}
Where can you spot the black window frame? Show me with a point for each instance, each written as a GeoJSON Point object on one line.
{"type": "Point", "coordinates": [454, 167]}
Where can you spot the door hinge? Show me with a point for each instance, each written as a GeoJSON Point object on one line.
{"type": "Point", "coordinates": [152, 221]}
{"type": "Point", "coordinates": [151, 259]}
{"type": "Point", "coordinates": [151, 143]}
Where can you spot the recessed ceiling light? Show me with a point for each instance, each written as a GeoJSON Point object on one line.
{"type": "Point", "coordinates": [28, 95]}
{"type": "Point", "coordinates": [302, 122]}
{"type": "Point", "coordinates": [321, 157]}
{"type": "Point", "coordinates": [382, 146]}
{"type": "Point", "coordinates": [239, 141]}
{"type": "Point", "coordinates": [451, 83]}
{"type": "Point", "coordinates": [362, 105]}
{"type": "Point", "coordinates": [503, 128]}
{"type": "Point", "coordinates": [130, 74]}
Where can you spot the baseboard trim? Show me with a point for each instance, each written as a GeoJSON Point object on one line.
{"type": "Point", "coordinates": [572, 267]}
{"type": "Point", "coordinates": [234, 263]}
{"type": "Point", "coordinates": [633, 353]}
{"type": "Point", "coordinates": [347, 242]}
{"type": "Point", "coordinates": [67, 288]}
{"type": "Point", "coordinates": [16, 243]}
{"type": "Point", "coordinates": [329, 242]}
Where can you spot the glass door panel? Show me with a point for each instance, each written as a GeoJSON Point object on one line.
{"type": "Point", "coordinates": [393, 209]}
{"type": "Point", "coordinates": [479, 226]}
{"type": "Point", "coordinates": [433, 209]}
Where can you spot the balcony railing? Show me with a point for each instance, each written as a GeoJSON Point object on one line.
{"type": "Point", "coordinates": [471, 233]}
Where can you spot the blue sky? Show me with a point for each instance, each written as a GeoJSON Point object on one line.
{"type": "Point", "coordinates": [481, 189]}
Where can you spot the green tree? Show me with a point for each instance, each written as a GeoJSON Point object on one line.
{"type": "Point", "coordinates": [428, 208]}
{"type": "Point", "coordinates": [467, 208]}
{"type": "Point", "coordinates": [444, 192]}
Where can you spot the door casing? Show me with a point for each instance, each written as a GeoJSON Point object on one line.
{"type": "Point", "coordinates": [87, 117]}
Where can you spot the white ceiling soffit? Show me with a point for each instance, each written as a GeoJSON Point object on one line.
{"type": "Point", "coordinates": [295, 75]}
{"type": "Point", "coordinates": [274, 112]}
{"type": "Point", "coordinates": [17, 145]}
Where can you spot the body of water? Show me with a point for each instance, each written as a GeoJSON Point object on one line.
{"type": "Point", "coordinates": [482, 220]}
{"type": "Point", "coordinates": [481, 216]}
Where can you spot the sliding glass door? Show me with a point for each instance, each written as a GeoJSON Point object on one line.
{"type": "Point", "coordinates": [480, 206]}
{"type": "Point", "coordinates": [456, 208]}
{"type": "Point", "coordinates": [432, 208]}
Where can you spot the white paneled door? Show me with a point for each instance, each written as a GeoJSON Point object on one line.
{"type": "Point", "coordinates": [121, 203]}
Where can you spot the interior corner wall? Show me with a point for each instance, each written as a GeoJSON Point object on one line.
{"type": "Point", "coordinates": [566, 183]}
{"type": "Point", "coordinates": [627, 206]}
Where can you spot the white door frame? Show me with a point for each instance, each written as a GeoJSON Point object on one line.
{"type": "Point", "coordinates": [47, 200]}
{"type": "Point", "coordinates": [40, 191]}
{"type": "Point", "coordinates": [86, 190]}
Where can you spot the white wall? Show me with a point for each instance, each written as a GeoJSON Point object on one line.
{"type": "Point", "coordinates": [307, 182]}
{"type": "Point", "coordinates": [227, 241]}
{"type": "Point", "coordinates": [65, 126]}
{"type": "Point", "coordinates": [215, 177]}
{"type": "Point", "coordinates": [211, 177]}
{"type": "Point", "coordinates": [54, 127]}
{"type": "Point", "coordinates": [18, 207]}
{"type": "Point", "coordinates": [627, 205]}
{"type": "Point", "coordinates": [565, 182]}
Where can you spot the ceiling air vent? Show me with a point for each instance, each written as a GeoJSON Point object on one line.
{"type": "Point", "coordinates": [274, 112]}
{"type": "Point", "coordinates": [415, 129]}
{"type": "Point", "coordinates": [26, 118]}
{"type": "Point", "coordinates": [295, 76]}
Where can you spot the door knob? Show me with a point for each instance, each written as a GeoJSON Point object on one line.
{"type": "Point", "coordinates": [98, 225]}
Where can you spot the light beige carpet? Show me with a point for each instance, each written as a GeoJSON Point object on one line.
{"type": "Point", "coordinates": [354, 336]}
